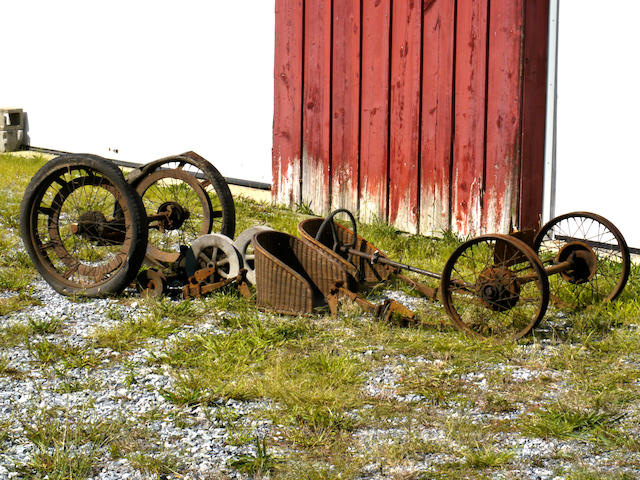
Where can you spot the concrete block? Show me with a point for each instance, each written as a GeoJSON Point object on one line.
{"type": "Point", "coordinates": [12, 119]}
{"type": "Point", "coordinates": [11, 129]}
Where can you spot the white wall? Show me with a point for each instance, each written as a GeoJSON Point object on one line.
{"type": "Point", "coordinates": [598, 154]}
{"type": "Point", "coordinates": [145, 78]}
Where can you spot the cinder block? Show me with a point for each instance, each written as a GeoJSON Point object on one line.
{"type": "Point", "coordinates": [12, 119]}
{"type": "Point", "coordinates": [11, 129]}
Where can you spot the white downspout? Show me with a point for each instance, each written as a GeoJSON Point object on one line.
{"type": "Point", "coordinates": [549, 192]}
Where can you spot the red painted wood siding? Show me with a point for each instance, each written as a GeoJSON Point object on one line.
{"type": "Point", "coordinates": [374, 119]}
{"type": "Point", "coordinates": [428, 114]}
{"type": "Point", "coordinates": [437, 110]}
{"type": "Point", "coordinates": [345, 131]}
{"type": "Point", "coordinates": [287, 123]}
{"type": "Point", "coordinates": [404, 136]}
{"type": "Point", "coordinates": [504, 88]}
{"type": "Point", "coordinates": [470, 101]}
{"type": "Point", "coordinates": [316, 105]}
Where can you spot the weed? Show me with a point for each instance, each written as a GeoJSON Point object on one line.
{"type": "Point", "coordinates": [5, 369]}
{"type": "Point", "coordinates": [158, 465]}
{"type": "Point", "coordinates": [70, 356]}
{"type": "Point", "coordinates": [44, 326]}
{"type": "Point", "coordinates": [60, 463]}
{"type": "Point", "coordinates": [584, 474]}
{"type": "Point", "coordinates": [561, 422]}
{"type": "Point", "coordinates": [259, 464]}
{"type": "Point", "coordinates": [481, 457]}
{"type": "Point", "coordinates": [304, 208]}
{"type": "Point", "coordinates": [16, 303]}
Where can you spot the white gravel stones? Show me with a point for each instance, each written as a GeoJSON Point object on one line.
{"type": "Point", "coordinates": [130, 387]}
{"type": "Point", "coordinates": [127, 389]}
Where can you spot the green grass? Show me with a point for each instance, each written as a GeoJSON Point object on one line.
{"type": "Point", "coordinates": [262, 463]}
{"type": "Point", "coordinates": [447, 396]}
{"type": "Point", "coordinates": [562, 422]}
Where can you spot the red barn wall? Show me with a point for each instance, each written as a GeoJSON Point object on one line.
{"type": "Point", "coordinates": [426, 114]}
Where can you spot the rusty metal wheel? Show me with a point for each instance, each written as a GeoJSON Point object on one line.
{"type": "Point", "coordinates": [83, 226]}
{"type": "Point", "coordinates": [494, 286]}
{"type": "Point", "coordinates": [151, 284]}
{"type": "Point", "coordinates": [184, 197]}
{"type": "Point", "coordinates": [601, 249]}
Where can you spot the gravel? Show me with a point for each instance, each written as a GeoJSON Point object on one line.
{"type": "Point", "coordinates": [200, 443]}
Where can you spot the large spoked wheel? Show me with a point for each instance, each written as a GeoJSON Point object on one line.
{"type": "Point", "coordinates": [338, 245]}
{"type": "Point", "coordinates": [604, 249]}
{"type": "Point", "coordinates": [494, 286]}
{"type": "Point", "coordinates": [83, 226]}
{"type": "Point", "coordinates": [184, 197]}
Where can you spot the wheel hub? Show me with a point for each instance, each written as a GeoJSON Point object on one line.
{"type": "Point", "coordinates": [174, 215]}
{"type": "Point", "coordinates": [498, 288]}
{"type": "Point", "coordinates": [95, 227]}
{"type": "Point", "coordinates": [583, 259]}
{"type": "Point", "coordinates": [90, 225]}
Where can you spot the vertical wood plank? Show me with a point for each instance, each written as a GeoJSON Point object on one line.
{"type": "Point", "coordinates": [534, 99]}
{"type": "Point", "coordinates": [287, 111]}
{"type": "Point", "coordinates": [345, 93]}
{"type": "Point", "coordinates": [437, 103]}
{"type": "Point", "coordinates": [470, 84]}
{"type": "Point", "coordinates": [316, 122]}
{"type": "Point", "coordinates": [405, 114]}
{"type": "Point", "coordinates": [374, 140]}
{"type": "Point", "coordinates": [501, 183]}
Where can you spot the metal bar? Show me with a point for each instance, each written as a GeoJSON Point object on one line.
{"type": "Point", "coordinates": [122, 163]}
{"type": "Point", "coordinates": [552, 270]}
{"type": "Point", "coordinates": [386, 261]}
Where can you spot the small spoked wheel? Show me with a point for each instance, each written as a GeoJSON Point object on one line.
{"type": "Point", "coordinates": [598, 250]}
{"type": "Point", "coordinates": [333, 238]}
{"type": "Point", "coordinates": [184, 197]}
{"type": "Point", "coordinates": [218, 252]}
{"type": "Point", "coordinates": [244, 246]}
{"type": "Point", "coordinates": [83, 226]}
{"type": "Point", "coordinates": [494, 286]}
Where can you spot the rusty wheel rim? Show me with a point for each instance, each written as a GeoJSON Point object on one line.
{"type": "Point", "coordinates": [519, 292]}
{"type": "Point", "coordinates": [603, 239]}
{"type": "Point", "coordinates": [76, 260]}
{"type": "Point", "coordinates": [174, 187]}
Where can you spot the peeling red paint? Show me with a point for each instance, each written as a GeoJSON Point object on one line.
{"type": "Point", "coordinates": [455, 141]}
{"type": "Point", "coordinates": [437, 103]}
{"type": "Point", "coordinates": [346, 104]}
{"type": "Point", "coordinates": [374, 124]}
{"type": "Point", "coordinates": [287, 149]}
{"type": "Point", "coordinates": [503, 114]}
{"type": "Point", "coordinates": [316, 121]}
{"type": "Point", "coordinates": [468, 147]}
{"type": "Point", "coordinates": [404, 117]}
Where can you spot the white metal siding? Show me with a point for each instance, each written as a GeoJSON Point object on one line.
{"type": "Point", "coordinates": [598, 118]}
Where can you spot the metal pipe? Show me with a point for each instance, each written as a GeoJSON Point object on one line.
{"type": "Point", "coordinates": [122, 163]}
{"type": "Point", "coordinates": [385, 261]}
